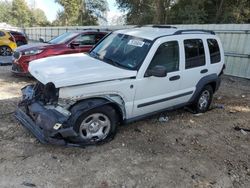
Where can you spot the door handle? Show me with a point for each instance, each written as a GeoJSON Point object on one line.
{"type": "Point", "coordinates": [177, 77]}
{"type": "Point", "coordinates": [204, 71]}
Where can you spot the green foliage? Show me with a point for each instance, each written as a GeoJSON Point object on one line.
{"type": "Point", "coordinates": [71, 11]}
{"type": "Point", "coordinates": [5, 11]}
{"type": "Point", "coordinates": [188, 13]}
{"type": "Point", "coordinates": [185, 11]}
{"type": "Point", "coordinates": [81, 12]}
{"type": "Point", "coordinates": [21, 13]}
{"type": "Point", "coordinates": [17, 13]}
{"type": "Point", "coordinates": [39, 18]}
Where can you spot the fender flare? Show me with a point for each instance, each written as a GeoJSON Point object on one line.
{"type": "Point", "coordinates": [212, 78]}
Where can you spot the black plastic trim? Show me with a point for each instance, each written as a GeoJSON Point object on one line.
{"type": "Point", "coordinates": [173, 78]}
{"type": "Point", "coordinates": [163, 100]}
{"type": "Point", "coordinates": [204, 71]}
{"type": "Point", "coordinates": [204, 81]}
{"type": "Point", "coordinates": [155, 112]}
{"type": "Point", "coordinates": [194, 30]}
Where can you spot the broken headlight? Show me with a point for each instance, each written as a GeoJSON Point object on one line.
{"type": "Point", "coordinates": [46, 93]}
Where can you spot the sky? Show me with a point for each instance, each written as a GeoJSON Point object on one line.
{"type": "Point", "coordinates": [51, 8]}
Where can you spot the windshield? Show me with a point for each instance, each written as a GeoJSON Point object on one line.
{"type": "Point", "coordinates": [122, 50]}
{"type": "Point", "coordinates": [63, 38]}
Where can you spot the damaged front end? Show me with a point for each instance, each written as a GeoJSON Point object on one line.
{"type": "Point", "coordinates": [40, 113]}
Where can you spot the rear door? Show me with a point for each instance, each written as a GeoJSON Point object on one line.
{"type": "Point", "coordinates": [195, 66]}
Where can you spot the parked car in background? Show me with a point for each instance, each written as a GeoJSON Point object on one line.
{"type": "Point", "coordinates": [131, 74]}
{"type": "Point", "coordinates": [20, 38]}
{"type": "Point", "coordinates": [7, 43]}
{"type": "Point", "coordinates": [67, 43]}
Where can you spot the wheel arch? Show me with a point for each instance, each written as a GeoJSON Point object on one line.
{"type": "Point", "coordinates": [87, 104]}
{"type": "Point", "coordinates": [213, 80]}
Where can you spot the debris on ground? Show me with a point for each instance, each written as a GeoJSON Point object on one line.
{"type": "Point", "coordinates": [163, 119]}
{"type": "Point", "coordinates": [27, 184]}
{"type": "Point", "coordinates": [137, 130]}
{"type": "Point", "coordinates": [242, 130]}
{"type": "Point", "coordinates": [219, 106]}
{"type": "Point", "coordinates": [198, 114]}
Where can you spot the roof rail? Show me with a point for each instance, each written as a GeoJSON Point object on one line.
{"type": "Point", "coordinates": [94, 29]}
{"type": "Point", "coordinates": [158, 26]}
{"type": "Point", "coordinates": [164, 26]}
{"type": "Point", "coordinates": [193, 30]}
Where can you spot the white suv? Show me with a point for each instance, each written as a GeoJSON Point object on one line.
{"type": "Point", "coordinates": [81, 98]}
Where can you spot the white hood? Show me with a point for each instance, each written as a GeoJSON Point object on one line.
{"type": "Point", "coordinates": [75, 69]}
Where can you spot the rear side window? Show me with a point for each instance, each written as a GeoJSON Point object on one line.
{"type": "Point", "coordinates": [2, 34]}
{"type": "Point", "coordinates": [194, 53]}
{"type": "Point", "coordinates": [214, 50]}
{"type": "Point", "coordinates": [167, 55]}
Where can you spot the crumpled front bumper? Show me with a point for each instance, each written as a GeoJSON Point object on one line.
{"type": "Point", "coordinates": [47, 125]}
{"type": "Point", "coordinates": [44, 127]}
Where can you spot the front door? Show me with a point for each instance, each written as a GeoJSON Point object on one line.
{"type": "Point", "coordinates": [158, 93]}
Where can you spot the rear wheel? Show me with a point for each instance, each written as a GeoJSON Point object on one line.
{"type": "Point", "coordinates": [5, 51]}
{"type": "Point", "coordinates": [204, 99]}
{"type": "Point", "coordinates": [96, 125]}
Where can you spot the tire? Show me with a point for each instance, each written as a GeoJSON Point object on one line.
{"type": "Point", "coordinates": [95, 126]}
{"type": "Point", "coordinates": [204, 99]}
{"type": "Point", "coordinates": [5, 51]}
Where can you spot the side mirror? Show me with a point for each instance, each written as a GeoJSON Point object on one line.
{"type": "Point", "coordinates": [74, 44]}
{"type": "Point", "coordinates": [157, 71]}
{"type": "Point", "coordinates": [41, 40]}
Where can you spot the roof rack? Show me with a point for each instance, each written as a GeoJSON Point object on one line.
{"type": "Point", "coordinates": [164, 26]}
{"type": "Point", "coordinates": [158, 26]}
{"type": "Point", "coordinates": [193, 30]}
{"type": "Point", "coordinates": [93, 29]}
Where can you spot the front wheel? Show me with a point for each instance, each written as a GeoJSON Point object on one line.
{"type": "Point", "coordinates": [5, 51]}
{"type": "Point", "coordinates": [204, 99]}
{"type": "Point", "coordinates": [96, 125]}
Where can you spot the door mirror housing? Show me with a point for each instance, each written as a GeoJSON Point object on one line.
{"type": "Point", "coordinates": [74, 44]}
{"type": "Point", "coordinates": [157, 71]}
{"type": "Point", "coordinates": [42, 40]}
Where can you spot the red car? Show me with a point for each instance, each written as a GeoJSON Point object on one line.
{"type": "Point", "coordinates": [20, 38]}
{"type": "Point", "coordinates": [67, 43]}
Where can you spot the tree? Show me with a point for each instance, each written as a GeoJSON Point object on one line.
{"type": "Point", "coordinates": [191, 12]}
{"type": "Point", "coordinates": [5, 11]}
{"type": "Point", "coordinates": [21, 13]}
{"type": "Point", "coordinates": [39, 18]}
{"type": "Point", "coordinates": [185, 11]}
{"type": "Point", "coordinates": [18, 13]}
{"type": "Point", "coordinates": [81, 12]}
{"type": "Point", "coordinates": [71, 11]}
{"type": "Point", "coordinates": [146, 11]}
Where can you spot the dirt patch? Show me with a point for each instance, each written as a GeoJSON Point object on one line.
{"type": "Point", "coordinates": [186, 151]}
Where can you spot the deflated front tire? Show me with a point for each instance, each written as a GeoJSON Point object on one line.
{"type": "Point", "coordinates": [94, 126]}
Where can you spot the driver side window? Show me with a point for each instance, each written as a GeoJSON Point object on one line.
{"type": "Point", "coordinates": [85, 40]}
{"type": "Point", "coordinates": [167, 55]}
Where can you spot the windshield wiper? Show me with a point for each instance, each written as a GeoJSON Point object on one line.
{"type": "Point", "coordinates": [112, 62]}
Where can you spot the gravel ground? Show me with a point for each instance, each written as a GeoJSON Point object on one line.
{"type": "Point", "coordinates": [186, 151]}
